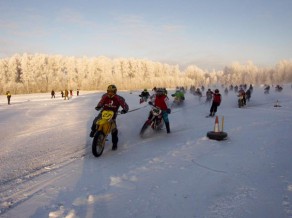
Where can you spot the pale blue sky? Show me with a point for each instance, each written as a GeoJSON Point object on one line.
{"type": "Point", "coordinates": [207, 33]}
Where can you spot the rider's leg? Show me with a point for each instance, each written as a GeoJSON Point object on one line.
{"type": "Point", "coordinates": [115, 139]}
{"type": "Point", "coordinates": [166, 121]}
{"type": "Point", "coordinates": [93, 126]}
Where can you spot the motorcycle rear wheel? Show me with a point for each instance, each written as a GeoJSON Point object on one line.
{"type": "Point", "coordinates": [98, 144]}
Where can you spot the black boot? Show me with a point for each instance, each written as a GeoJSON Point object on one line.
{"type": "Point", "coordinates": [115, 139]}
{"type": "Point", "coordinates": [167, 127]}
{"type": "Point", "coordinates": [91, 134]}
{"type": "Point", "coordinates": [115, 147]}
{"type": "Point", "coordinates": [93, 127]}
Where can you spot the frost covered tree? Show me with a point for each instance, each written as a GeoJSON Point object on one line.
{"type": "Point", "coordinates": [29, 73]}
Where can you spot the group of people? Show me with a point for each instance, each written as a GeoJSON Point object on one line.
{"type": "Point", "coordinates": [65, 94]}
{"type": "Point", "coordinates": [112, 101]}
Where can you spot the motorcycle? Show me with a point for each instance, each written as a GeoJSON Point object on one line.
{"type": "Point", "coordinates": [154, 122]}
{"type": "Point", "coordinates": [209, 98]}
{"type": "Point", "coordinates": [177, 102]}
{"type": "Point", "coordinates": [143, 99]}
{"type": "Point", "coordinates": [103, 127]}
{"type": "Point", "coordinates": [240, 101]}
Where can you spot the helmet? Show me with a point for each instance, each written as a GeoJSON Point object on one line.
{"type": "Point", "coordinates": [112, 88]}
{"type": "Point", "coordinates": [216, 91]}
{"type": "Point", "coordinates": [159, 91]}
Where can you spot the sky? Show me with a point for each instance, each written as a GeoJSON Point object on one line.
{"type": "Point", "coordinates": [210, 34]}
{"type": "Point", "coordinates": [47, 169]}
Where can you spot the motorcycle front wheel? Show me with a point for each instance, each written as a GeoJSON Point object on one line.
{"type": "Point", "coordinates": [240, 103]}
{"type": "Point", "coordinates": [144, 128]}
{"type": "Point", "coordinates": [98, 144]}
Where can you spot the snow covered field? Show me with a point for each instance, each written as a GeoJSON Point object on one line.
{"type": "Point", "coordinates": [47, 169]}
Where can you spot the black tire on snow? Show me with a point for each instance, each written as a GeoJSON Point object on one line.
{"type": "Point", "coordinates": [143, 129]}
{"type": "Point", "coordinates": [216, 135]}
{"type": "Point", "coordinates": [98, 144]}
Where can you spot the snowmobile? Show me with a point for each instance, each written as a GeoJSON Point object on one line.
{"type": "Point", "coordinates": [104, 126]}
{"type": "Point", "coordinates": [154, 122]}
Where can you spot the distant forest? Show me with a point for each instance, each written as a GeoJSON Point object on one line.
{"type": "Point", "coordinates": [36, 73]}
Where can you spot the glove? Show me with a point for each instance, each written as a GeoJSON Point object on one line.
{"type": "Point", "coordinates": [97, 108]}
{"type": "Point", "coordinates": [168, 110]}
{"type": "Point", "coordinates": [150, 103]}
{"type": "Point", "coordinates": [123, 111]}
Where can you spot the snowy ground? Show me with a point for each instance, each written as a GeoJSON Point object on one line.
{"type": "Point", "coordinates": [47, 169]}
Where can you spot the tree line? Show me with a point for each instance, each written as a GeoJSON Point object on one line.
{"type": "Point", "coordinates": [34, 73]}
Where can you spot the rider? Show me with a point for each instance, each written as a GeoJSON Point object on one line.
{"type": "Point", "coordinates": [110, 101]}
{"type": "Point", "coordinates": [241, 95]}
{"type": "Point", "coordinates": [144, 94]}
{"type": "Point", "coordinates": [248, 94]}
{"type": "Point", "coordinates": [178, 95]}
{"type": "Point", "coordinates": [161, 101]}
{"type": "Point", "coordinates": [209, 95]}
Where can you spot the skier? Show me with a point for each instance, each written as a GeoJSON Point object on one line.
{"type": "Point", "coordinates": [216, 102]}
{"type": "Point", "coordinates": [110, 101]}
{"type": "Point", "coordinates": [161, 101]}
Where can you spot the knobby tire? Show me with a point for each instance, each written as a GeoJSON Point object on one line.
{"type": "Point", "coordinates": [98, 144]}
{"type": "Point", "coordinates": [143, 129]}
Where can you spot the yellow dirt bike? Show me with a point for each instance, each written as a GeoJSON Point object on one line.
{"type": "Point", "coordinates": [104, 126]}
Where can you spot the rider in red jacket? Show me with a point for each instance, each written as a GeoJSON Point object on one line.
{"type": "Point", "coordinates": [110, 101]}
{"type": "Point", "coordinates": [161, 101]}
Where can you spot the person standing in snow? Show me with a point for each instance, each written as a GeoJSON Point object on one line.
{"type": "Point", "coordinates": [215, 103]}
{"type": "Point", "coordinates": [66, 94]}
{"type": "Point", "coordinates": [53, 94]}
{"type": "Point", "coordinates": [8, 94]}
